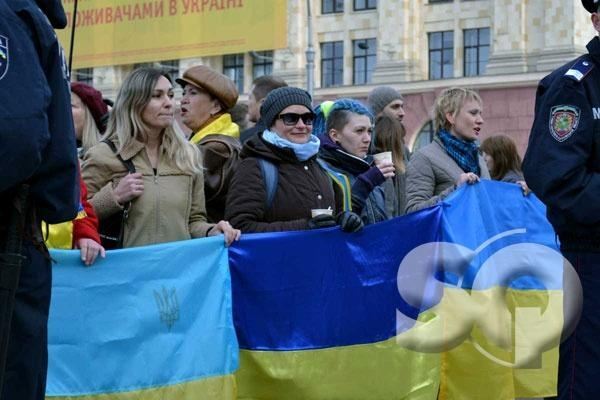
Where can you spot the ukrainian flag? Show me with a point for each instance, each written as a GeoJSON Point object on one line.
{"type": "Point", "coordinates": [315, 314]}
{"type": "Point", "coordinates": [145, 323]}
{"type": "Point", "coordinates": [492, 302]}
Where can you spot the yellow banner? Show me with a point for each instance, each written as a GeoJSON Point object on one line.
{"type": "Point", "coordinates": [112, 32]}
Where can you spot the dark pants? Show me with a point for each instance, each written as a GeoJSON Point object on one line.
{"type": "Point", "coordinates": [27, 359]}
{"type": "Point", "coordinates": [579, 363]}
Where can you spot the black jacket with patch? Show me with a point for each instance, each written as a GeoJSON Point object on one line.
{"type": "Point", "coordinates": [37, 142]}
{"type": "Point", "coordinates": [562, 163]}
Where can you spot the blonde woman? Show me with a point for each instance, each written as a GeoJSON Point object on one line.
{"type": "Point", "coordinates": [166, 193]}
{"type": "Point", "coordinates": [452, 159]}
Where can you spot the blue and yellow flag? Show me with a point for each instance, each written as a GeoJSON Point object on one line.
{"type": "Point", "coordinates": [463, 300]}
{"type": "Point", "coordinates": [149, 322]}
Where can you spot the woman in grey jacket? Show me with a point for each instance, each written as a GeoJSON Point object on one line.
{"type": "Point", "coordinates": [452, 159]}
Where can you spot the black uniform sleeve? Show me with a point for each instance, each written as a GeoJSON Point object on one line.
{"type": "Point", "coordinates": [558, 162]}
{"type": "Point", "coordinates": [37, 142]}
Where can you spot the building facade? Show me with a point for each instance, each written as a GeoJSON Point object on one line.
{"type": "Point", "coordinates": [501, 48]}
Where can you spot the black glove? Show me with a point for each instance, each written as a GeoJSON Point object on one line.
{"type": "Point", "coordinates": [321, 221]}
{"type": "Point", "coordinates": [349, 221]}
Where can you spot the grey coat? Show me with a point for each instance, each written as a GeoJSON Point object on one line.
{"type": "Point", "coordinates": [431, 175]}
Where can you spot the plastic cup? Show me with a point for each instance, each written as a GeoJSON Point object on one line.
{"type": "Point", "coordinates": [319, 211]}
{"type": "Point", "coordinates": [385, 156]}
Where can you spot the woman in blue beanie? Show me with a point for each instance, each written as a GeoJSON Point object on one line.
{"type": "Point", "coordinates": [344, 151]}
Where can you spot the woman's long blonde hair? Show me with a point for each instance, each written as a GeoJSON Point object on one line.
{"type": "Point", "coordinates": [125, 122]}
{"type": "Point", "coordinates": [388, 135]}
{"type": "Point", "coordinates": [450, 101]}
{"type": "Point", "coordinates": [90, 135]}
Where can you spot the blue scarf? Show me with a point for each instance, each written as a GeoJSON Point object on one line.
{"type": "Point", "coordinates": [303, 151]}
{"type": "Point", "coordinates": [465, 153]}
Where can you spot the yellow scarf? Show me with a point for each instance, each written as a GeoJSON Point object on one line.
{"type": "Point", "coordinates": [222, 125]}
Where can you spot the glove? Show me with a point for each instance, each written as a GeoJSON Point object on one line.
{"type": "Point", "coordinates": [349, 221]}
{"type": "Point", "coordinates": [321, 221]}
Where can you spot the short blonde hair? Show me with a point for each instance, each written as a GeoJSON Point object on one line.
{"type": "Point", "coordinates": [451, 101]}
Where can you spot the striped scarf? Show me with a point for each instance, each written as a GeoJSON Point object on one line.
{"type": "Point", "coordinates": [463, 152]}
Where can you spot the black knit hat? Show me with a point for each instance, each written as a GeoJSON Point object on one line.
{"type": "Point", "coordinates": [591, 5]}
{"type": "Point", "coordinates": [279, 99]}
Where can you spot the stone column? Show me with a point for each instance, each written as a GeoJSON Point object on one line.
{"type": "Point", "coordinates": [509, 38]}
{"type": "Point", "coordinates": [398, 41]}
{"type": "Point", "coordinates": [290, 63]}
{"type": "Point", "coordinates": [564, 25]}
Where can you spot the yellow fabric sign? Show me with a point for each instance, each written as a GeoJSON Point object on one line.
{"type": "Point", "coordinates": [112, 32]}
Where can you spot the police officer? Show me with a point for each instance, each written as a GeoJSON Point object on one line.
{"type": "Point", "coordinates": [562, 166]}
{"type": "Point", "coordinates": [37, 148]}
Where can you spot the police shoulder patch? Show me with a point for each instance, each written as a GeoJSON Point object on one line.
{"type": "Point", "coordinates": [3, 56]}
{"type": "Point", "coordinates": [564, 120]}
{"type": "Point", "coordinates": [580, 69]}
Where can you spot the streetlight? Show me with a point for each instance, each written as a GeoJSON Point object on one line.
{"type": "Point", "coordinates": [310, 54]}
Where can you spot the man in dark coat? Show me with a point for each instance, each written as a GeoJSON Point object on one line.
{"type": "Point", "coordinates": [261, 87]}
{"type": "Point", "coordinates": [37, 148]}
{"type": "Point", "coordinates": [562, 167]}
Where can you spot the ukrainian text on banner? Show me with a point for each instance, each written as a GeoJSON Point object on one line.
{"type": "Point", "coordinates": [112, 32]}
{"type": "Point", "coordinates": [150, 322]}
{"type": "Point", "coordinates": [496, 308]}
{"type": "Point", "coordinates": [315, 313]}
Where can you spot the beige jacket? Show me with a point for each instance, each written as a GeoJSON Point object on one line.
{"type": "Point", "coordinates": [431, 175]}
{"type": "Point", "coordinates": [171, 208]}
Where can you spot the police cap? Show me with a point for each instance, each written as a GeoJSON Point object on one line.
{"type": "Point", "coordinates": [591, 5]}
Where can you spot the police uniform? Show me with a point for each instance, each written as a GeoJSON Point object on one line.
{"type": "Point", "coordinates": [562, 167]}
{"type": "Point", "coordinates": [37, 147]}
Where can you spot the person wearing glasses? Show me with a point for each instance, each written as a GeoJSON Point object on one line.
{"type": "Point", "coordinates": [285, 198]}
{"type": "Point", "coordinates": [345, 144]}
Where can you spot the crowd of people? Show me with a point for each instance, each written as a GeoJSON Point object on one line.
{"type": "Point", "coordinates": [149, 177]}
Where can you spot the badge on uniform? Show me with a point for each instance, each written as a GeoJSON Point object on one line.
{"type": "Point", "coordinates": [3, 56]}
{"type": "Point", "coordinates": [563, 121]}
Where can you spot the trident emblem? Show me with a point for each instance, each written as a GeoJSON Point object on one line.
{"type": "Point", "coordinates": [168, 306]}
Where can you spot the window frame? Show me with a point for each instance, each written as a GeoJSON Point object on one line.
{"type": "Point", "coordinates": [236, 67]}
{"type": "Point", "coordinates": [478, 47]}
{"type": "Point", "coordinates": [368, 5]}
{"type": "Point", "coordinates": [335, 7]}
{"type": "Point", "coordinates": [264, 61]}
{"type": "Point", "coordinates": [336, 80]}
{"type": "Point", "coordinates": [441, 51]}
{"type": "Point", "coordinates": [370, 54]}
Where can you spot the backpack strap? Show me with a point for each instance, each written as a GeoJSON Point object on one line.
{"type": "Point", "coordinates": [341, 180]}
{"type": "Point", "coordinates": [128, 163]}
{"type": "Point", "coordinates": [270, 176]}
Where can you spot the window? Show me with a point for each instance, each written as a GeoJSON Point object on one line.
{"type": "Point", "coordinates": [364, 60]}
{"type": "Point", "coordinates": [441, 55]}
{"type": "Point", "coordinates": [477, 51]}
{"type": "Point", "coordinates": [424, 137]}
{"type": "Point", "coordinates": [332, 63]}
{"type": "Point", "coordinates": [233, 67]}
{"type": "Point", "coordinates": [440, 1]}
{"type": "Point", "coordinates": [171, 66]}
{"type": "Point", "coordinates": [262, 63]}
{"type": "Point", "coordinates": [85, 75]}
{"type": "Point", "coordinates": [360, 5]}
{"type": "Point", "coordinates": [332, 6]}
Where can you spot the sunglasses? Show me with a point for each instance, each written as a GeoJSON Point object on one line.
{"type": "Point", "coordinates": [291, 119]}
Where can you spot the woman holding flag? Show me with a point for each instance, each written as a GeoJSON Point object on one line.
{"type": "Point", "coordinates": [452, 159]}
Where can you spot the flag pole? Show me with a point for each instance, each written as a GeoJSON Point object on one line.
{"type": "Point", "coordinates": [74, 20]}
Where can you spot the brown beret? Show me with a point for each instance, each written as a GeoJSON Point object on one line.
{"type": "Point", "coordinates": [215, 83]}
